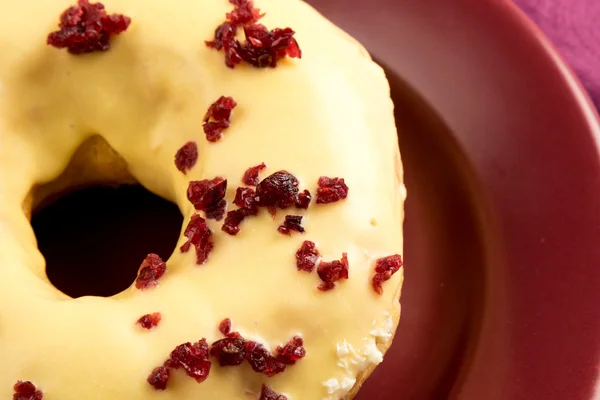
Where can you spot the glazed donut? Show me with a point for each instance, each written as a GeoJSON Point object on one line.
{"type": "Point", "coordinates": [271, 129]}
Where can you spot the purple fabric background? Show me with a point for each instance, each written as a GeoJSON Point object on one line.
{"type": "Point", "coordinates": [574, 28]}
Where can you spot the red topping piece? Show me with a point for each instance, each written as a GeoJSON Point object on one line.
{"type": "Point", "coordinates": [221, 109]}
{"type": "Point", "coordinates": [291, 223]}
{"type": "Point", "coordinates": [26, 391]}
{"type": "Point", "coordinates": [261, 360]}
{"type": "Point", "coordinates": [292, 351]}
{"type": "Point", "coordinates": [217, 118]}
{"type": "Point", "coordinates": [86, 27]}
{"type": "Point", "coordinates": [229, 351]}
{"type": "Point", "coordinates": [245, 198]}
{"type": "Point", "coordinates": [267, 393]}
{"type": "Point", "coordinates": [251, 175]}
{"type": "Point", "coordinates": [159, 378]}
{"type": "Point", "coordinates": [233, 221]}
{"type": "Point", "coordinates": [224, 35]}
{"type": "Point", "coordinates": [225, 329]}
{"type": "Point", "coordinates": [303, 200]}
{"type": "Point", "coordinates": [186, 157]}
{"type": "Point", "coordinates": [193, 358]}
{"type": "Point", "coordinates": [225, 39]}
{"type": "Point", "coordinates": [331, 190]}
{"type": "Point", "coordinates": [277, 190]}
{"type": "Point", "coordinates": [225, 326]}
{"type": "Point", "coordinates": [199, 235]}
{"type": "Point", "coordinates": [208, 196]}
{"type": "Point", "coordinates": [149, 321]}
{"type": "Point", "coordinates": [262, 48]}
{"type": "Point", "coordinates": [307, 256]}
{"type": "Point", "coordinates": [244, 13]}
{"type": "Point", "coordinates": [217, 211]}
{"type": "Point", "coordinates": [234, 349]}
{"type": "Point", "coordinates": [150, 272]}
{"type": "Point", "coordinates": [384, 269]}
{"type": "Point", "coordinates": [331, 272]}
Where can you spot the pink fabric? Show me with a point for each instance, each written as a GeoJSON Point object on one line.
{"type": "Point", "coordinates": [574, 28]}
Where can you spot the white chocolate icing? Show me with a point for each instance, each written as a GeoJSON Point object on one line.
{"type": "Point", "coordinates": [327, 114]}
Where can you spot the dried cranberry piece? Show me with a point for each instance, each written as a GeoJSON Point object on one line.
{"type": "Point", "coordinates": [331, 190]}
{"type": "Point", "coordinates": [225, 39]}
{"type": "Point", "coordinates": [261, 360]}
{"type": "Point", "coordinates": [233, 221]}
{"type": "Point", "coordinates": [149, 321]}
{"type": "Point", "coordinates": [87, 27]}
{"type": "Point", "coordinates": [151, 270]}
{"type": "Point", "coordinates": [251, 175]}
{"type": "Point", "coordinates": [258, 36]}
{"type": "Point", "coordinates": [307, 256]}
{"type": "Point", "coordinates": [264, 48]}
{"type": "Point", "coordinates": [231, 49]}
{"type": "Point", "coordinates": [292, 49]}
{"type": "Point", "coordinates": [225, 326]}
{"type": "Point", "coordinates": [384, 269]}
{"type": "Point", "coordinates": [225, 329]}
{"type": "Point", "coordinates": [244, 13]}
{"type": "Point", "coordinates": [186, 157]}
{"type": "Point", "coordinates": [193, 358]}
{"type": "Point", "coordinates": [199, 235]}
{"type": "Point", "coordinates": [225, 33]}
{"type": "Point", "coordinates": [216, 211]}
{"type": "Point", "coordinates": [291, 223]}
{"type": "Point", "coordinates": [266, 393]}
{"type": "Point", "coordinates": [234, 349]}
{"type": "Point", "coordinates": [208, 196]}
{"type": "Point", "coordinates": [303, 200]}
{"type": "Point", "coordinates": [214, 130]}
{"type": "Point", "coordinates": [331, 272]}
{"type": "Point", "coordinates": [245, 199]}
{"type": "Point", "coordinates": [221, 109]}
{"type": "Point", "coordinates": [158, 378]}
{"type": "Point", "coordinates": [202, 194]}
{"type": "Point", "coordinates": [285, 44]}
{"type": "Point", "coordinates": [217, 118]}
{"type": "Point", "coordinates": [229, 351]}
{"type": "Point", "coordinates": [25, 390]}
{"type": "Point", "coordinates": [277, 190]}
{"type": "Point", "coordinates": [292, 351]}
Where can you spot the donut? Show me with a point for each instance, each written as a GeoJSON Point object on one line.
{"type": "Point", "coordinates": [273, 132]}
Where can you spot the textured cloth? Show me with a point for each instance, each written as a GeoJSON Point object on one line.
{"type": "Point", "coordinates": [574, 28]}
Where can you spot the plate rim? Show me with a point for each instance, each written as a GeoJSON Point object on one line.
{"type": "Point", "coordinates": [504, 382]}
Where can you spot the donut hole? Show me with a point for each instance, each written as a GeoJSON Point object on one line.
{"type": "Point", "coordinates": [95, 224]}
{"type": "Point", "coordinates": [94, 239]}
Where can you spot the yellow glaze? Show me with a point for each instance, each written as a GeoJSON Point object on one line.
{"type": "Point", "coordinates": [327, 114]}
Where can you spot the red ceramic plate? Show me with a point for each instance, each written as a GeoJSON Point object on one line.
{"type": "Point", "coordinates": [502, 295]}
